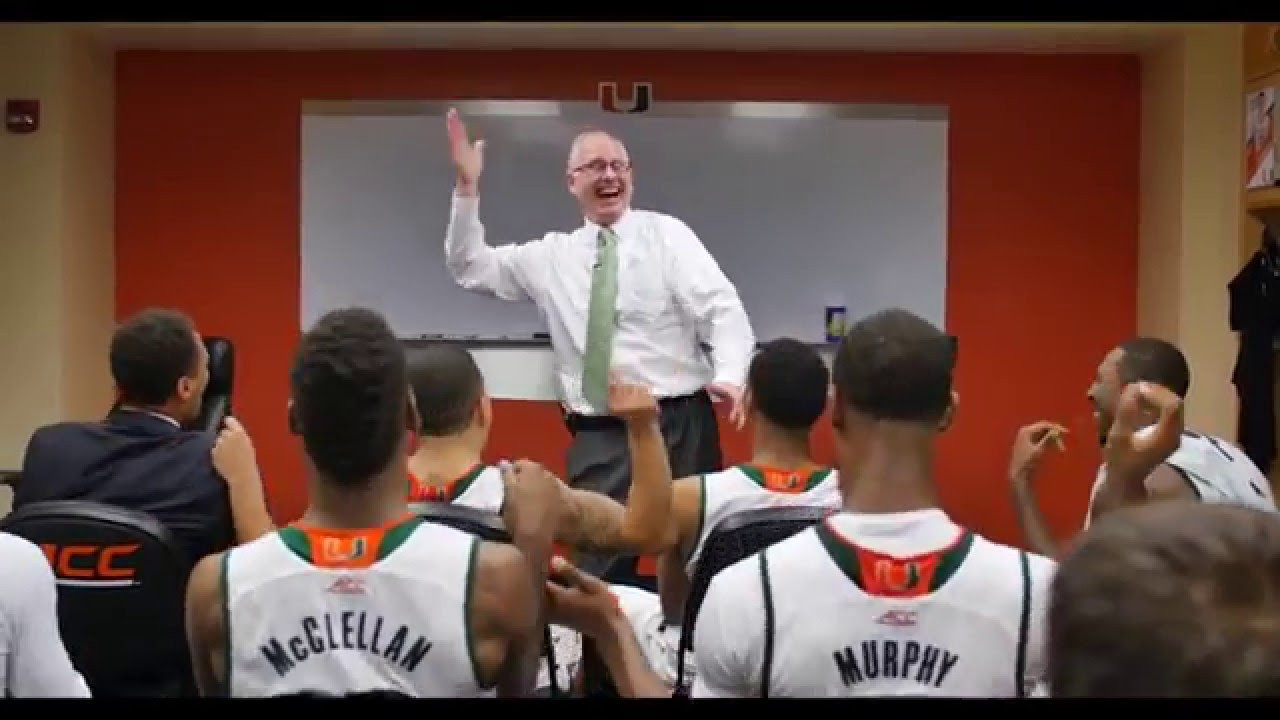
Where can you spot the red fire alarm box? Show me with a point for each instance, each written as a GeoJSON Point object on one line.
{"type": "Point", "coordinates": [22, 116]}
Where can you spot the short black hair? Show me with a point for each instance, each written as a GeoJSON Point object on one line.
{"type": "Point", "coordinates": [447, 386]}
{"type": "Point", "coordinates": [895, 365]}
{"type": "Point", "coordinates": [350, 395]}
{"type": "Point", "coordinates": [789, 383]}
{"type": "Point", "coordinates": [150, 352]}
{"type": "Point", "coordinates": [1169, 600]}
{"type": "Point", "coordinates": [1153, 360]}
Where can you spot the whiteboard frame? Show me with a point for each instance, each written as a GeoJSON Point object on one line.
{"type": "Point", "coordinates": [587, 110]}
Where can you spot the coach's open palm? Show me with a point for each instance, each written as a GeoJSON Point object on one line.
{"type": "Point", "coordinates": [468, 157]}
{"type": "Point", "coordinates": [1135, 446]}
{"type": "Point", "coordinates": [632, 403]}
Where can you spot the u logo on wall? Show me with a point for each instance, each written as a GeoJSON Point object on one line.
{"type": "Point", "coordinates": [640, 101]}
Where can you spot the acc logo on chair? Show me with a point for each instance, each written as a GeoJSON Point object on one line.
{"type": "Point", "coordinates": [89, 565]}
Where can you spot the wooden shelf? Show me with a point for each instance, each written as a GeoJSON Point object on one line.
{"type": "Point", "coordinates": [1262, 199]}
{"type": "Point", "coordinates": [1261, 44]}
{"type": "Point", "coordinates": [1263, 205]}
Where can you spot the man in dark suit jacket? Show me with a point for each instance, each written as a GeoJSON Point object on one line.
{"type": "Point", "coordinates": [141, 457]}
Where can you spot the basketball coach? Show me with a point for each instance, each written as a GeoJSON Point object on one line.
{"type": "Point", "coordinates": [631, 292]}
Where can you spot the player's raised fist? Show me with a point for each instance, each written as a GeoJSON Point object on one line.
{"type": "Point", "coordinates": [1146, 431]}
{"type": "Point", "coordinates": [632, 403]}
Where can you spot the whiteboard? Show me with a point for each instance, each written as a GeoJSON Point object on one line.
{"type": "Point", "coordinates": [803, 205]}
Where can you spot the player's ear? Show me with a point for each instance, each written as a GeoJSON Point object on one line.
{"type": "Point", "coordinates": [295, 427]}
{"type": "Point", "coordinates": [837, 408]}
{"type": "Point", "coordinates": [484, 410]}
{"type": "Point", "coordinates": [949, 415]}
{"type": "Point", "coordinates": [412, 418]}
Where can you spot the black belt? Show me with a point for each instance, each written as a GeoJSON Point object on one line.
{"type": "Point", "coordinates": [577, 422]}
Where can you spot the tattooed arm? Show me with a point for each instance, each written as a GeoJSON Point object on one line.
{"type": "Point", "coordinates": [594, 522]}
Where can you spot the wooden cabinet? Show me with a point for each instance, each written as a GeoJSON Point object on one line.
{"type": "Point", "coordinates": [1261, 49]}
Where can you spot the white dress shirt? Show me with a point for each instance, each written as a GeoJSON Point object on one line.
{"type": "Point", "coordinates": [672, 296]}
{"type": "Point", "coordinates": [33, 660]}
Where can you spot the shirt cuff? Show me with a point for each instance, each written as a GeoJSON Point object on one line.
{"type": "Point", "coordinates": [465, 204]}
{"type": "Point", "coordinates": [734, 376]}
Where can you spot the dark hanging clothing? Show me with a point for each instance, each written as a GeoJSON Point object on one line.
{"type": "Point", "coordinates": [1254, 310]}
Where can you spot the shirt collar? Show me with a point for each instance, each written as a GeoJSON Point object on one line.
{"type": "Point", "coordinates": [152, 413]}
{"type": "Point", "coordinates": [619, 228]}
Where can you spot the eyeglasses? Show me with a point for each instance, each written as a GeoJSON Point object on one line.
{"type": "Point", "coordinates": [598, 167]}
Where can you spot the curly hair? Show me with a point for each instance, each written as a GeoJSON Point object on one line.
{"type": "Point", "coordinates": [150, 352]}
{"type": "Point", "coordinates": [895, 365]}
{"type": "Point", "coordinates": [788, 382]}
{"type": "Point", "coordinates": [350, 395]}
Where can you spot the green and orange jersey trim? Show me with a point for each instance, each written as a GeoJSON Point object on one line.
{"type": "Point", "coordinates": [788, 481]}
{"type": "Point", "coordinates": [785, 480]}
{"type": "Point", "coordinates": [348, 548]}
{"type": "Point", "coordinates": [421, 492]}
{"type": "Point", "coordinates": [886, 575]}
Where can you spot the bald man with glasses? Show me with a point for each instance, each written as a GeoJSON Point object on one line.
{"type": "Point", "coordinates": [632, 292]}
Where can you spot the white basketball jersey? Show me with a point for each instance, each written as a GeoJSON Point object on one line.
{"type": "Point", "coordinates": [748, 487]}
{"type": "Point", "coordinates": [965, 621]}
{"type": "Point", "coordinates": [481, 488]}
{"type": "Point", "coordinates": [337, 612]}
{"type": "Point", "coordinates": [1217, 470]}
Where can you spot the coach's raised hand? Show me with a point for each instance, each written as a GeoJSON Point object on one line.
{"type": "Point", "coordinates": [468, 157]}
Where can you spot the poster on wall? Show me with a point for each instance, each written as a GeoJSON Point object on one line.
{"type": "Point", "coordinates": [1260, 139]}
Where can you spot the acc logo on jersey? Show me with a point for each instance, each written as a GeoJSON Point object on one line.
{"type": "Point", "coordinates": [347, 585]}
{"type": "Point", "coordinates": [898, 618]}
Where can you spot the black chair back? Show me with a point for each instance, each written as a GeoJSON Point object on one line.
{"type": "Point", "coordinates": [490, 527]}
{"type": "Point", "coordinates": [216, 403]}
{"type": "Point", "coordinates": [122, 580]}
{"type": "Point", "coordinates": [735, 538]}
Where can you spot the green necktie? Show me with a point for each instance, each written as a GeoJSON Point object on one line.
{"type": "Point", "coordinates": [602, 317]}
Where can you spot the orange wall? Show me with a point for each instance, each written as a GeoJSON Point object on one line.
{"type": "Point", "coordinates": [1043, 219]}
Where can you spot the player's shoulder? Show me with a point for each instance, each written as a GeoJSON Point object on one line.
{"type": "Point", "coordinates": [1040, 568]}
{"type": "Point", "coordinates": [21, 554]}
{"type": "Point", "coordinates": [23, 571]}
{"type": "Point", "coordinates": [792, 555]}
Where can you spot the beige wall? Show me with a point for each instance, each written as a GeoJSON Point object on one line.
{"type": "Point", "coordinates": [1191, 143]}
{"type": "Point", "coordinates": [57, 279]}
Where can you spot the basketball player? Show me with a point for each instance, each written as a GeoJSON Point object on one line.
{"type": "Point", "coordinates": [456, 417]}
{"type": "Point", "coordinates": [1204, 467]}
{"type": "Point", "coordinates": [888, 597]}
{"type": "Point", "coordinates": [359, 596]}
{"type": "Point", "coordinates": [446, 466]}
{"type": "Point", "coordinates": [1169, 600]}
{"type": "Point", "coordinates": [33, 661]}
{"type": "Point", "coordinates": [787, 389]}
